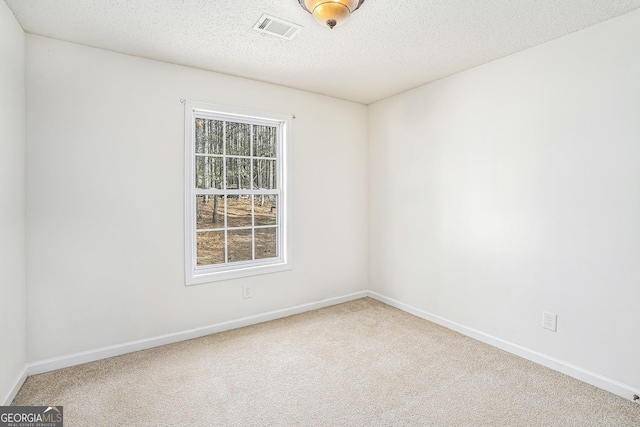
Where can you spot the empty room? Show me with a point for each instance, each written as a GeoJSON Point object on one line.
{"type": "Point", "coordinates": [319, 213]}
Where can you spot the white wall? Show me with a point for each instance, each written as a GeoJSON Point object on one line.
{"type": "Point", "coordinates": [513, 188]}
{"type": "Point", "coordinates": [105, 199]}
{"type": "Point", "coordinates": [12, 202]}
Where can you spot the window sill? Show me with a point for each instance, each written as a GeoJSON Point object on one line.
{"type": "Point", "coordinates": [207, 275]}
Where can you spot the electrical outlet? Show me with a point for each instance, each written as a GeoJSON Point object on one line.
{"type": "Point", "coordinates": [246, 292]}
{"type": "Point", "coordinates": [550, 321]}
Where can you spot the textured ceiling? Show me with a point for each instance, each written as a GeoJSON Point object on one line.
{"type": "Point", "coordinates": [385, 48]}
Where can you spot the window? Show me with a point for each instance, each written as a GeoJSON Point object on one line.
{"type": "Point", "coordinates": [236, 195]}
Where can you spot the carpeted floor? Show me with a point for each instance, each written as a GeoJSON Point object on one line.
{"type": "Point", "coordinates": [362, 363]}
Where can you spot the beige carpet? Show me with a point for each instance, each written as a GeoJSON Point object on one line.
{"type": "Point", "coordinates": [362, 363]}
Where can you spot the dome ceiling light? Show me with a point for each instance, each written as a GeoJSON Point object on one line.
{"type": "Point", "coordinates": [331, 12]}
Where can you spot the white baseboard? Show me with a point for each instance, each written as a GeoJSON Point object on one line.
{"type": "Point", "coordinates": [597, 380]}
{"type": "Point", "coordinates": [16, 387]}
{"type": "Point", "coordinates": [130, 347]}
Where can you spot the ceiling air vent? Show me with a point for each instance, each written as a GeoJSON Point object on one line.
{"type": "Point", "coordinates": [277, 27]}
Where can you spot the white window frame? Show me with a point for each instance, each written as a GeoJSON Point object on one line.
{"type": "Point", "coordinates": [195, 274]}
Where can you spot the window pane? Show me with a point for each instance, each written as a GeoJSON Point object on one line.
{"type": "Point", "coordinates": [210, 247]}
{"type": "Point", "coordinates": [240, 248]}
{"type": "Point", "coordinates": [209, 136]}
{"type": "Point", "coordinates": [238, 172]}
{"type": "Point", "coordinates": [208, 172]}
{"type": "Point", "coordinates": [265, 209]}
{"type": "Point", "coordinates": [266, 243]}
{"type": "Point", "coordinates": [238, 139]}
{"type": "Point", "coordinates": [239, 211]}
{"type": "Point", "coordinates": [209, 212]}
{"type": "Point", "coordinates": [264, 174]}
{"type": "Point", "coordinates": [264, 141]}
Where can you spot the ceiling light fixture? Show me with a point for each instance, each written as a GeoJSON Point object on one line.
{"type": "Point", "coordinates": [331, 12]}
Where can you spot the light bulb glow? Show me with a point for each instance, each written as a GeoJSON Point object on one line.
{"type": "Point", "coordinates": [331, 12]}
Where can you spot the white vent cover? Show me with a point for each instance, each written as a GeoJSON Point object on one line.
{"type": "Point", "coordinates": [277, 27]}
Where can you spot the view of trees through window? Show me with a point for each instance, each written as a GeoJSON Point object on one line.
{"type": "Point", "coordinates": [236, 191]}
